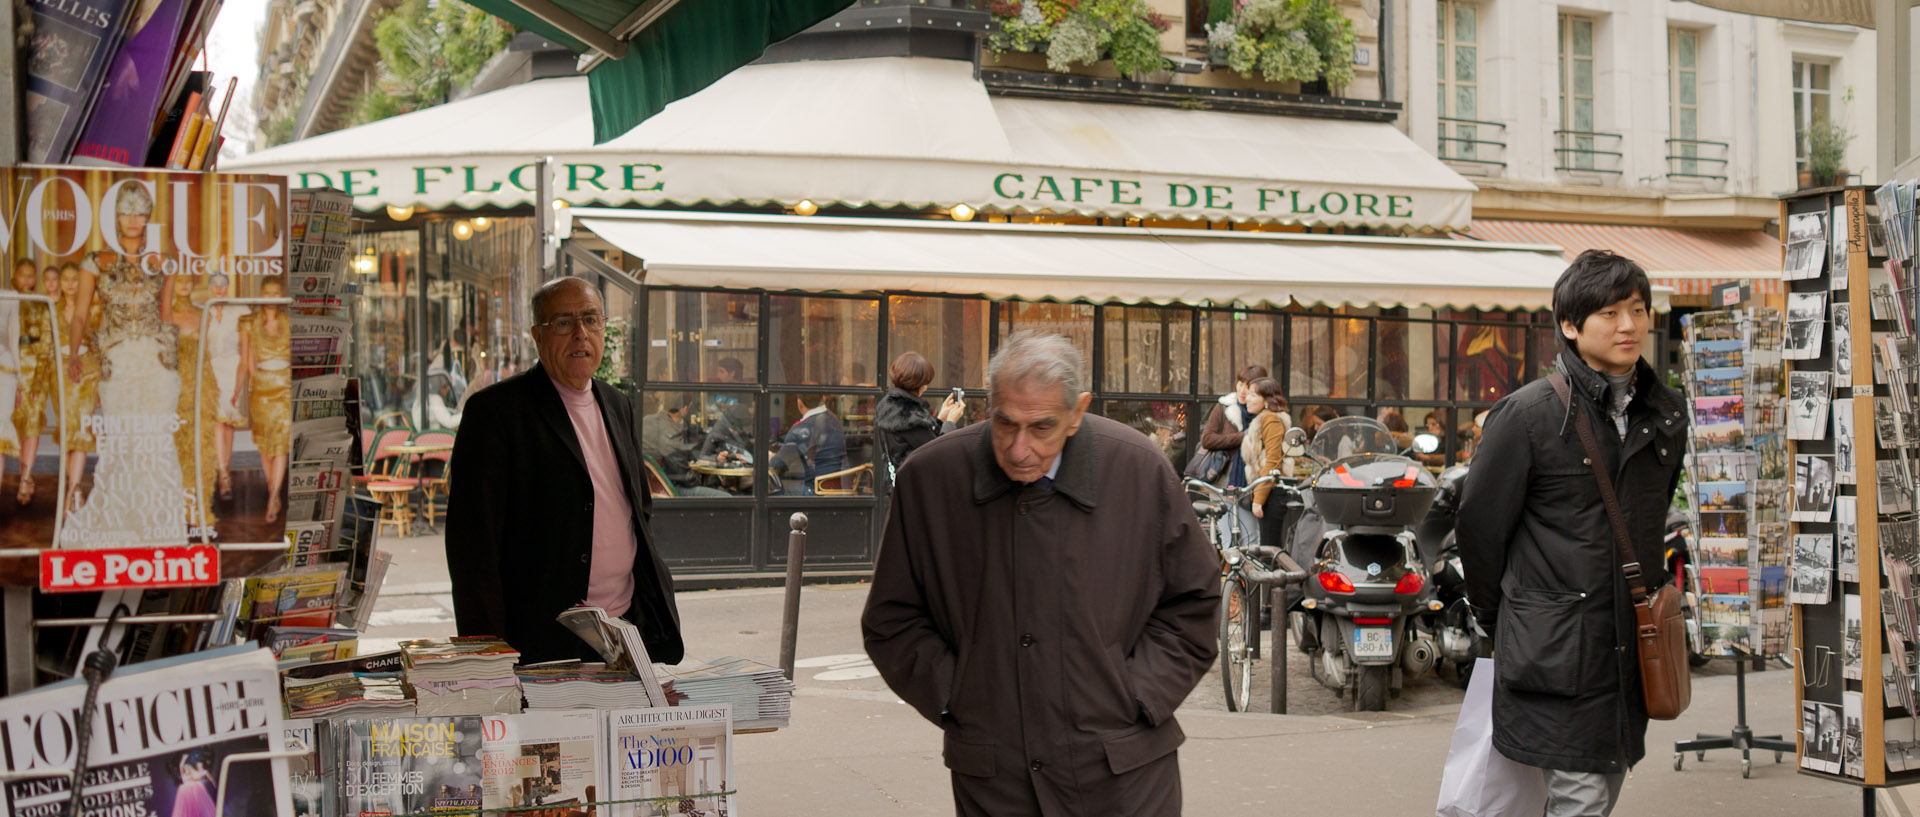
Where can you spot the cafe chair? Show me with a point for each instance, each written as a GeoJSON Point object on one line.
{"type": "Point", "coordinates": [383, 464]}
{"type": "Point", "coordinates": [435, 467]}
{"type": "Point", "coordinates": [392, 420]}
{"type": "Point", "coordinates": [657, 483]}
{"type": "Point", "coordinates": [396, 497]}
{"type": "Point", "coordinates": [845, 483]}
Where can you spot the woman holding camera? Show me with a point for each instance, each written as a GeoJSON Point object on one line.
{"type": "Point", "coordinates": [902, 422]}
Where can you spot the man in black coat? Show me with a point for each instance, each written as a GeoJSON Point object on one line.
{"type": "Point", "coordinates": [548, 507]}
{"type": "Point", "coordinates": [1542, 567]}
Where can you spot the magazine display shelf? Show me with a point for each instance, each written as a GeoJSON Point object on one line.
{"type": "Point", "coordinates": [1854, 680]}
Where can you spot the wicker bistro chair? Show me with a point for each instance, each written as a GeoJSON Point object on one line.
{"type": "Point", "coordinates": [435, 468]}
{"type": "Point", "coordinates": [383, 464]}
{"type": "Point", "coordinates": [844, 483]}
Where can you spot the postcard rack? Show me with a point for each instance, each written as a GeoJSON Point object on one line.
{"type": "Point", "coordinates": [1854, 554]}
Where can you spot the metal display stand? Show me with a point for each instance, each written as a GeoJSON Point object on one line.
{"type": "Point", "coordinates": [1740, 739]}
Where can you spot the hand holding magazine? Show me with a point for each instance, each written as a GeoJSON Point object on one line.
{"type": "Point", "coordinates": [617, 641]}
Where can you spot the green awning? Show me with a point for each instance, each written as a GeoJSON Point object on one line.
{"type": "Point", "coordinates": [662, 58]}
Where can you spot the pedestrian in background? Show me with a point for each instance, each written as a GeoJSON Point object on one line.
{"type": "Point", "coordinates": [1543, 571]}
{"type": "Point", "coordinates": [902, 421]}
{"type": "Point", "coordinates": [1226, 424]}
{"type": "Point", "coordinates": [1265, 453]}
{"type": "Point", "coordinates": [547, 505]}
{"type": "Point", "coordinates": [1045, 596]}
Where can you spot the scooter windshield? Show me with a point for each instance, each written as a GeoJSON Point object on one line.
{"type": "Point", "coordinates": [1347, 436]}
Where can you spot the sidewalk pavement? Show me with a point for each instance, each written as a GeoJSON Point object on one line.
{"type": "Point", "coordinates": [854, 749]}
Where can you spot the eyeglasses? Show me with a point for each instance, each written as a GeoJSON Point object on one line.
{"type": "Point", "coordinates": [565, 324]}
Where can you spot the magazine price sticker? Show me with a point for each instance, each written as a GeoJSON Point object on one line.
{"type": "Point", "coordinates": [75, 571]}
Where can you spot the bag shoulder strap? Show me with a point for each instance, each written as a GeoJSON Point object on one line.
{"type": "Point", "coordinates": [1629, 563]}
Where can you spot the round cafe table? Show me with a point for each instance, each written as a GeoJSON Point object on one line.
{"type": "Point", "coordinates": [416, 467]}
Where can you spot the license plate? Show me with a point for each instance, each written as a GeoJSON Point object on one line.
{"type": "Point", "coordinates": [1372, 642]}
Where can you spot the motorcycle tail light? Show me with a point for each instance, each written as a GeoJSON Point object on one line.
{"type": "Point", "coordinates": [1411, 479]}
{"type": "Point", "coordinates": [1347, 478]}
{"type": "Point", "coordinates": [1335, 583]}
{"type": "Point", "coordinates": [1373, 622]}
{"type": "Point", "coordinates": [1409, 584]}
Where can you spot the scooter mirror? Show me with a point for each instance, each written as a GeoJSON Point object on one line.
{"type": "Point", "coordinates": [1295, 443]}
{"type": "Point", "coordinates": [1426, 443]}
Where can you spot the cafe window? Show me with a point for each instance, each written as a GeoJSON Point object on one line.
{"type": "Point", "coordinates": [822, 445]}
{"type": "Point", "coordinates": [951, 333]}
{"type": "Point", "coordinates": [1074, 321]}
{"type": "Point", "coordinates": [1327, 358]}
{"type": "Point", "coordinates": [1164, 422]}
{"type": "Point", "coordinates": [1149, 350]}
{"type": "Point", "coordinates": [823, 341]}
{"type": "Point", "coordinates": [702, 337]}
{"type": "Point", "coordinates": [385, 322]}
{"type": "Point", "coordinates": [1487, 363]}
{"type": "Point", "coordinates": [1544, 351]}
{"type": "Point", "coordinates": [1231, 340]}
{"type": "Point", "coordinates": [1411, 361]}
{"type": "Point", "coordinates": [1441, 421]}
{"type": "Point", "coordinates": [698, 444]}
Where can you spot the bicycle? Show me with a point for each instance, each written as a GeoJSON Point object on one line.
{"type": "Point", "coordinates": [1246, 569]}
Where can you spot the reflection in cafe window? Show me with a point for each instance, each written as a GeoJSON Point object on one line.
{"type": "Point", "coordinates": [823, 446]}
{"type": "Point", "coordinates": [1545, 349]}
{"type": "Point", "coordinates": [1231, 341]}
{"type": "Point", "coordinates": [1488, 365]}
{"type": "Point", "coordinates": [1411, 361]}
{"type": "Point", "coordinates": [951, 333]}
{"type": "Point", "coordinates": [710, 337]}
{"type": "Point", "coordinates": [1163, 422]}
{"type": "Point", "coordinates": [1328, 357]}
{"type": "Point", "coordinates": [1074, 321]}
{"type": "Point", "coordinates": [1149, 349]}
{"type": "Point", "coordinates": [823, 341]}
{"type": "Point", "coordinates": [698, 444]}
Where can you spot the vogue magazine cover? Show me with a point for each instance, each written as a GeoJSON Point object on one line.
{"type": "Point", "coordinates": [145, 407]}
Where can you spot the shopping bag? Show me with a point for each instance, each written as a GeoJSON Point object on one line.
{"type": "Point", "coordinates": [1479, 781]}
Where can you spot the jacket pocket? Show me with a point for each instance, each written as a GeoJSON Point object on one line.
{"type": "Point", "coordinates": [1539, 642]}
{"type": "Point", "coordinates": [971, 758]}
{"type": "Point", "coordinates": [1136, 749]}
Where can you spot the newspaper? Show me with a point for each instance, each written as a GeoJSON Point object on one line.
{"type": "Point", "coordinates": [160, 735]}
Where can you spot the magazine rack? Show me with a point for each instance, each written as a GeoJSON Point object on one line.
{"type": "Point", "coordinates": [1853, 635]}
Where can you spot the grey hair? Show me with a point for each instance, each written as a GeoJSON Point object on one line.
{"type": "Point", "coordinates": [550, 288]}
{"type": "Point", "coordinates": [1033, 357]}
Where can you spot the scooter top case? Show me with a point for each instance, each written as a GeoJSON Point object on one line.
{"type": "Point", "coordinates": [1374, 491]}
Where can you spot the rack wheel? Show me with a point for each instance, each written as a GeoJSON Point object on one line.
{"type": "Point", "coordinates": [1776, 757]}
{"type": "Point", "coordinates": [1678, 759]}
{"type": "Point", "coordinates": [1700, 755]}
{"type": "Point", "coordinates": [1746, 767]}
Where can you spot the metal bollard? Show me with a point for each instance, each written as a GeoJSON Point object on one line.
{"type": "Point", "coordinates": [1277, 658]}
{"type": "Point", "coordinates": [790, 617]}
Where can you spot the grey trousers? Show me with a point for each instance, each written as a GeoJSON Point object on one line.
{"type": "Point", "coordinates": [1582, 794]}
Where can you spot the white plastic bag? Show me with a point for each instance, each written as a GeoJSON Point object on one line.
{"type": "Point", "coordinates": [1479, 781]}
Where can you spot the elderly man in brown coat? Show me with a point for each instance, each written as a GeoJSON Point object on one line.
{"type": "Point", "coordinates": [1045, 595]}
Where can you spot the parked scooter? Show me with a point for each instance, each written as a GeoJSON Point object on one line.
{"type": "Point", "coordinates": [1451, 626]}
{"type": "Point", "coordinates": [1368, 582]}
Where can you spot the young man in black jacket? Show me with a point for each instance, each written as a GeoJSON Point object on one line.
{"type": "Point", "coordinates": [1542, 567]}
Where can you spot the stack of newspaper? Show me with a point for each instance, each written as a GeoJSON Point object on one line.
{"type": "Point", "coordinates": [368, 686]}
{"type": "Point", "coordinates": [462, 675]}
{"type": "Point", "coordinates": [618, 641]}
{"type": "Point", "coordinates": [761, 696]}
{"type": "Point", "coordinates": [581, 685]}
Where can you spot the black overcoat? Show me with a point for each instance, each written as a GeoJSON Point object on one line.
{"type": "Point", "coordinates": [1543, 573]}
{"type": "Point", "coordinates": [1049, 634]}
{"type": "Point", "coordinates": [520, 521]}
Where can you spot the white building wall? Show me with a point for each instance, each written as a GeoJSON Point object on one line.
{"type": "Point", "coordinates": [1745, 66]}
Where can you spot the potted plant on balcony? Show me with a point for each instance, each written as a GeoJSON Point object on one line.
{"type": "Point", "coordinates": [1287, 41]}
{"type": "Point", "coordinates": [1075, 33]}
{"type": "Point", "coordinates": [1826, 154]}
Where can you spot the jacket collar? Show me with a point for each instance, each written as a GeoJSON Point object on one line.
{"type": "Point", "coordinates": [1231, 402]}
{"type": "Point", "coordinates": [1647, 388]}
{"type": "Point", "coordinates": [553, 410]}
{"type": "Point", "coordinates": [1079, 465]}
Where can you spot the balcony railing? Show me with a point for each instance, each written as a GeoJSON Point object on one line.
{"type": "Point", "coordinates": [1583, 152]}
{"type": "Point", "coordinates": [1476, 143]}
{"type": "Point", "coordinates": [1699, 159]}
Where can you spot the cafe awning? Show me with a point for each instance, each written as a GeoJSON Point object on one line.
{"type": "Point", "coordinates": [1063, 262]}
{"type": "Point", "coordinates": [1688, 261]}
{"type": "Point", "coordinates": [647, 53]}
{"type": "Point", "coordinates": [886, 131]}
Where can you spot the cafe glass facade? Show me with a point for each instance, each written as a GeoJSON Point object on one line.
{"type": "Point", "coordinates": [762, 359]}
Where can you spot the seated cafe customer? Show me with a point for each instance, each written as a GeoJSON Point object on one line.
{"type": "Point", "coordinates": [814, 446]}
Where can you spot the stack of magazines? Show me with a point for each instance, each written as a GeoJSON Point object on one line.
{"type": "Point", "coordinates": [580, 685]}
{"type": "Point", "coordinates": [368, 686]}
{"type": "Point", "coordinates": [462, 675]}
{"type": "Point", "coordinates": [761, 696]}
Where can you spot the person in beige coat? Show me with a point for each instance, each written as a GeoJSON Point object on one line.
{"type": "Point", "coordinates": [1265, 451]}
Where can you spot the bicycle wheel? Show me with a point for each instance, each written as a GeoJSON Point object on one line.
{"type": "Point", "coordinates": [1236, 626]}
